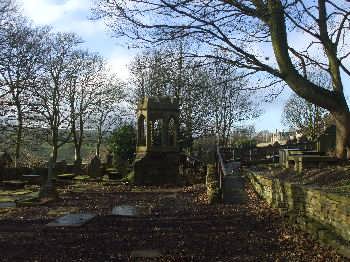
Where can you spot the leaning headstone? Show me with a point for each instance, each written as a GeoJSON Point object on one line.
{"type": "Point", "coordinates": [94, 168]}
{"type": "Point", "coordinates": [72, 220]}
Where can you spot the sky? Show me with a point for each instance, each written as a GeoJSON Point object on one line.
{"type": "Point", "coordinates": [73, 16]}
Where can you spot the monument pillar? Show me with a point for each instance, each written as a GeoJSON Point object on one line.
{"type": "Point", "coordinates": [157, 152]}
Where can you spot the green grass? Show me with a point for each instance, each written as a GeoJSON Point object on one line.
{"type": "Point", "coordinates": [66, 176]}
{"type": "Point", "coordinates": [81, 178]}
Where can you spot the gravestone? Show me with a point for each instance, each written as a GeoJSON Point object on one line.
{"type": "Point", "coordinates": [94, 168]}
{"type": "Point", "coordinates": [48, 190]}
{"type": "Point", "coordinates": [326, 142]}
{"type": "Point", "coordinates": [5, 160]}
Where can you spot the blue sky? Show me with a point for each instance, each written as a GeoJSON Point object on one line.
{"type": "Point", "coordinates": [72, 16]}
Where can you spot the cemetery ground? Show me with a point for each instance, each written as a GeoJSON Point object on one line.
{"type": "Point", "coordinates": [151, 224]}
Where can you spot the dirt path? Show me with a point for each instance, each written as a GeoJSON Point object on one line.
{"type": "Point", "coordinates": [178, 224]}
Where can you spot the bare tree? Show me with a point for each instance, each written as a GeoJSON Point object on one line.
{"type": "Point", "coordinates": [304, 116]}
{"type": "Point", "coordinates": [51, 96]}
{"type": "Point", "coordinates": [7, 10]}
{"type": "Point", "coordinates": [230, 102]}
{"type": "Point", "coordinates": [166, 72]}
{"type": "Point", "coordinates": [107, 112]}
{"type": "Point", "coordinates": [88, 73]}
{"type": "Point", "coordinates": [21, 47]}
{"type": "Point", "coordinates": [212, 97]}
{"type": "Point", "coordinates": [248, 31]}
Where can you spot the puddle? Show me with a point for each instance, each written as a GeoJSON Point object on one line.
{"type": "Point", "coordinates": [7, 204]}
{"type": "Point", "coordinates": [148, 253]}
{"type": "Point", "coordinates": [72, 220]}
{"type": "Point", "coordinates": [133, 211]}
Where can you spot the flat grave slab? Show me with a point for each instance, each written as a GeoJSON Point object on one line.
{"type": "Point", "coordinates": [146, 253]}
{"type": "Point", "coordinates": [7, 204]}
{"type": "Point", "coordinates": [131, 211]}
{"type": "Point", "coordinates": [72, 220]}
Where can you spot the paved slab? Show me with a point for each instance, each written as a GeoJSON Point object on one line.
{"type": "Point", "coordinates": [233, 190]}
{"type": "Point", "coordinates": [233, 184]}
{"type": "Point", "coordinates": [72, 220]}
{"type": "Point", "coordinates": [7, 204]}
{"type": "Point", "coordinates": [146, 253]}
{"type": "Point", "coordinates": [131, 211]}
{"type": "Point", "coordinates": [232, 167]}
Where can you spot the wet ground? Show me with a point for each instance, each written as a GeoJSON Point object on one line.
{"type": "Point", "coordinates": [152, 224]}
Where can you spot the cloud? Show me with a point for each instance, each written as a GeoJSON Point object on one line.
{"type": "Point", "coordinates": [119, 64]}
{"type": "Point", "coordinates": [49, 11]}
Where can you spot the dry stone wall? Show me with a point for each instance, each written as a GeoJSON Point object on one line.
{"type": "Point", "coordinates": [326, 216]}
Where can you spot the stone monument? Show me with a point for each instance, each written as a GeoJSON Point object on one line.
{"type": "Point", "coordinates": [157, 152]}
{"type": "Point", "coordinates": [48, 189]}
{"type": "Point", "coordinates": [326, 142]}
{"type": "Point", "coordinates": [94, 168]}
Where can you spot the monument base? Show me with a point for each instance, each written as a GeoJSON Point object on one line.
{"type": "Point", "coordinates": [156, 168]}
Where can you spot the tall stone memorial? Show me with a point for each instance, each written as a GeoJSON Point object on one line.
{"type": "Point", "coordinates": [157, 151]}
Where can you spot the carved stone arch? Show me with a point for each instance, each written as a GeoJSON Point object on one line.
{"type": "Point", "coordinates": [172, 132]}
{"type": "Point", "coordinates": [141, 130]}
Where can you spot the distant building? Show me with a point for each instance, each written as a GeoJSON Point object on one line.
{"type": "Point", "coordinates": [281, 137]}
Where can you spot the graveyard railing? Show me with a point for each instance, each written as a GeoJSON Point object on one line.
{"type": "Point", "coordinates": [220, 166]}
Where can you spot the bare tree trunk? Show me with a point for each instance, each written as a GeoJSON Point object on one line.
{"type": "Point", "coordinates": [334, 100]}
{"type": "Point", "coordinates": [98, 145]}
{"type": "Point", "coordinates": [19, 137]}
{"type": "Point", "coordinates": [77, 153]}
{"type": "Point", "coordinates": [342, 121]}
{"type": "Point", "coordinates": [54, 146]}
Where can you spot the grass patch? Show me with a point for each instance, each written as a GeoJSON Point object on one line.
{"type": "Point", "coordinates": [6, 199]}
{"type": "Point", "coordinates": [80, 178]}
{"type": "Point", "coordinates": [15, 192]}
{"type": "Point", "coordinates": [66, 176]}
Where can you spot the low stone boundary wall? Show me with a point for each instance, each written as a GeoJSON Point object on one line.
{"type": "Point", "coordinates": [326, 216]}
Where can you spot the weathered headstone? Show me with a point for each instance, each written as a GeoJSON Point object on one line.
{"type": "Point", "coordinates": [94, 168]}
{"type": "Point", "coordinates": [5, 160]}
{"type": "Point", "coordinates": [326, 141]}
{"type": "Point", "coordinates": [48, 190]}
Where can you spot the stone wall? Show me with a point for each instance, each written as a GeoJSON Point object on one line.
{"type": "Point", "coordinates": [326, 216]}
